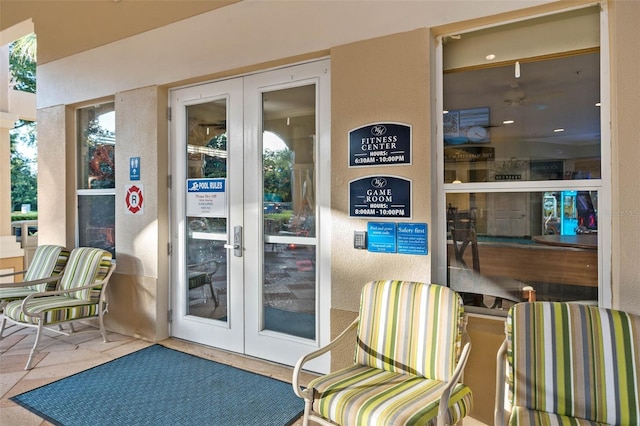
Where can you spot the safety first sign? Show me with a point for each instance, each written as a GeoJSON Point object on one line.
{"type": "Point", "coordinates": [134, 199]}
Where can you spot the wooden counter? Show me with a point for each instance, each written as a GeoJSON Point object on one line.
{"type": "Point", "coordinates": [583, 241]}
{"type": "Point", "coordinates": [537, 263]}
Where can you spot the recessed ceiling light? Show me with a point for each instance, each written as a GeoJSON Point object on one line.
{"type": "Point", "coordinates": [490, 57]}
{"type": "Point", "coordinates": [508, 122]}
{"type": "Point", "coordinates": [445, 112]}
{"type": "Point", "coordinates": [558, 130]}
{"type": "Point", "coordinates": [597, 104]}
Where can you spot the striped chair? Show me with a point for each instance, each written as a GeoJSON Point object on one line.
{"type": "Point", "coordinates": [569, 364]}
{"type": "Point", "coordinates": [80, 295]}
{"type": "Point", "coordinates": [43, 274]}
{"type": "Point", "coordinates": [408, 361]}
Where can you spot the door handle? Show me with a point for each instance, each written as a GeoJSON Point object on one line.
{"type": "Point", "coordinates": [237, 241]}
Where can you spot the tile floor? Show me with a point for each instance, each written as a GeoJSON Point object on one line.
{"type": "Point", "coordinates": [62, 356]}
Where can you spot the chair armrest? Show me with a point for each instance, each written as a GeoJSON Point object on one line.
{"type": "Point", "coordinates": [10, 274]}
{"type": "Point", "coordinates": [29, 283]}
{"type": "Point", "coordinates": [501, 359]}
{"type": "Point", "coordinates": [453, 381]}
{"type": "Point", "coordinates": [315, 354]}
{"type": "Point", "coordinates": [102, 282]}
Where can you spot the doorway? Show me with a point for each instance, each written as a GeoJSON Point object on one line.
{"type": "Point", "coordinates": [249, 156]}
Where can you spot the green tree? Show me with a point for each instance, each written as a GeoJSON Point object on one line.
{"type": "Point", "coordinates": [22, 70]}
{"type": "Point", "coordinates": [24, 179]}
{"type": "Point", "coordinates": [22, 63]}
{"type": "Point", "coordinates": [276, 174]}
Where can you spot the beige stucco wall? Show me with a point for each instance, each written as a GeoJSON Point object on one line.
{"type": "Point", "coordinates": [625, 106]}
{"type": "Point", "coordinates": [53, 159]}
{"type": "Point", "coordinates": [379, 80]}
{"type": "Point", "coordinates": [139, 288]}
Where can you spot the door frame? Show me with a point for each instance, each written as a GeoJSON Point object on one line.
{"type": "Point", "coordinates": [292, 346]}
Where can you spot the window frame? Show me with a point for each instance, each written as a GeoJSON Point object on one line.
{"type": "Point", "coordinates": [79, 192]}
{"type": "Point", "coordinates": [602, 185]}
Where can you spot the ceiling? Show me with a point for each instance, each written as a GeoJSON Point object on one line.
{"type": "Point", "coordinates": [65, 28]}
{"type": "Point", "coordinates": [549, 95]}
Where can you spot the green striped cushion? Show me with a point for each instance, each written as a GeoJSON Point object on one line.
{"type": "Point", "coordinates": [575, 360]}
{"type": "Point", "coordinates": [522, 416]}
{"type": "Point", "coordinates": [361, 395]}
{"type": "Point", "coordinates": [47, 261]}
{"type": "Point", "coordinates": [409, 327]}
{"type": "Point", "coordinates": [57, 308]}
{"type": "Point", "coordinates": [86, 265]}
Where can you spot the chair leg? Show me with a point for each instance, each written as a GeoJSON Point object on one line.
{"type": "Point", "coordinates": [103, 331]}
{"type": "Point", "coordinates": [3, 322]}
{"type": "Point", "coordinates": [35, 345]}
{"type": "Point", "coordinates": [307, 412]}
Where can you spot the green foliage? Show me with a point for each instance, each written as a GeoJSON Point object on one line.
{"type": "Point", "coordinates": [276, 175]}
{"type": "Point", "coordinates": [22, 63]}
{"type": "Point", "coordinates": [22, 67]}
{"type": "Point", "coordinates": [282, 217]}
{"type": "Point", "coordinates": [24, 216]}
{"type": "Point", "coordinates": [24, 179]}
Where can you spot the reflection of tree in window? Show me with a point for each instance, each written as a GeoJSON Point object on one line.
{"type": "Point", "coordinates": [276, 166]}
{"type": "Point", "coordinates": [215, 166]}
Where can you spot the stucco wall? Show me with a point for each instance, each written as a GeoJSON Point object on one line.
{"type": "Point", "coordinates": [53, 159]}
{"type": "Point", "coordinates": [625, 102]}
{"type": "Point", "coordinates": [379, 80]}
{"type": "Point", "coordinates": [139, 288]}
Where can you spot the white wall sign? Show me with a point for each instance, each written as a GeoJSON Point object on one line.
{"type": "Point", "coordinates": [207, 197]}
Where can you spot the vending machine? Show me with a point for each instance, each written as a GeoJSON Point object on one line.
{"type": "Point", "coordinates": [568, 208]}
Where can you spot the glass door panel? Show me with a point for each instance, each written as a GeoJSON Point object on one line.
{"type": "Point", "coordinates": [207, 274]}
{"type": "Point", "coordinates": [206, 221]}
{"type": "Point", "coordinates": [289, 212]}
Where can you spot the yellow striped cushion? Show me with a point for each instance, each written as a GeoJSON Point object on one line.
{"type": "Point", "coordinates": [56, 309]}
{"type": "Point", "coordinates": [360, 395]}
{"type": "Point", "coordinates": [409, 327]}
{"type": "Point", "coordinates": [47, 261]}
{"type": "Point", "coordinates": [86, 266]}
{"type": "Point", "coordinates": [575, 360]}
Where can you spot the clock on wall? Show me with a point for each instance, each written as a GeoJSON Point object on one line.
{"type": "Point", "coordinates": [477, 134]}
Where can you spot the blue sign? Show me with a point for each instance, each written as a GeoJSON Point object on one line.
{"type": "Point", "coordinates": [206, 185]}
{"type": "Point", "coordinates": [380, 196]}
{"type": "Point", "coordinates": [381, 237]}
{"type": "Point", "coordinates": [412, 238]}
{"type": "Point", "coordinates": [134, 168]}
{"type": "Point", "coordinates": [380, 144]}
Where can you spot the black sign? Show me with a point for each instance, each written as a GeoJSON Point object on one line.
{"type": "Point", "coordinates": [380, 196]}
{"type": "Point", "coordinates": [380, 144]}
{"type": "Point", "coordinates": [469, 154]}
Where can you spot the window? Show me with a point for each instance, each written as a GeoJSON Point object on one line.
{"type": "Point", "coordinates": [522, 160]}
{"type": "Point", "coordinates": [96, 176]}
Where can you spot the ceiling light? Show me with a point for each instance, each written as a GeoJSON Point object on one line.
{"type": "Point", "coordinates": [558, 130]}
{"type": "Point", "coordinates": [597, 104]}
{"type": "Point", "coordinates": [445, 112]}
{"type": "Point", "coordinates": [508, 122]}
{"type": "Point", "coordinates": [490, 57]}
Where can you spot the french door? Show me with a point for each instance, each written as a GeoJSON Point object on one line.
{"type": "Point", "coordinates": [250, 270]}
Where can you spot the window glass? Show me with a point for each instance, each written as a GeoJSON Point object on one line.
{"type": "Point", "coordinates": [96, 220]}
{"type": "Point", "coordinates": [544, 125]}
{"type": "Point", "coordinates": [500, 243]}
{"type": "Point", "coordinates": [96, 138]}
{"type": "Point", "coordinates": [521, 151]}
{"type": "Point", "coordinates": [96, 147]}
